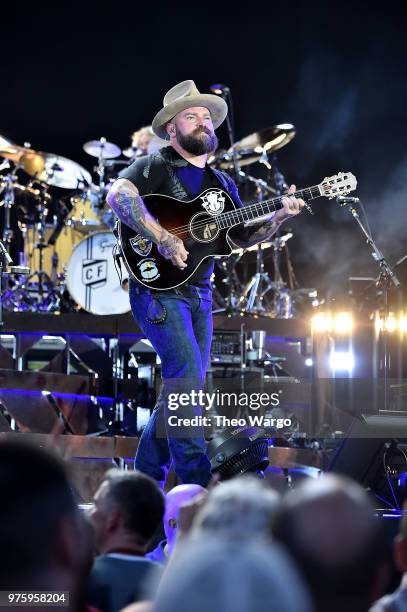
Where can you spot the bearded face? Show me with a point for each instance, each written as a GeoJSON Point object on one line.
{"type": "Point", "coordinates": [198, 142]}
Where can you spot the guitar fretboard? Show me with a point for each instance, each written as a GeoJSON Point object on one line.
{"type": "Point", "coordinates": [253, 211]}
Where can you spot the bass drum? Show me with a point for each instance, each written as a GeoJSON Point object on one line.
{"type": "Point", "coordinates": [92, 279]}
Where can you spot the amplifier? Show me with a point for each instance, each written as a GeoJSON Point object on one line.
{"type": "Point", "coordinates": [227, 348]}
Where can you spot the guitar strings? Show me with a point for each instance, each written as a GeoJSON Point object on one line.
{"type": "Point", "coordinates": [183, 229]}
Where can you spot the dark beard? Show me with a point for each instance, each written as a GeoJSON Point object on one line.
{"type": "Point", "coordinates": [195, 144]}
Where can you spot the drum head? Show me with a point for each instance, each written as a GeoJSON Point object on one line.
{"type": "Point", "coordinates": [92, 279]}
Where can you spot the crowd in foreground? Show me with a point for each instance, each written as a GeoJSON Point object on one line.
{"type": "Point", "coordinates": [237, 547]}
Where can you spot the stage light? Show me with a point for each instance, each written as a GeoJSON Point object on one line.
{"type": "Point", "coordinates": [309, 362]}
{"type": "Point", "coordinates": [343, 323]}
{"type": "Point", "coordinates": [341, 361]}
{"type": "Point", "coordinates": [389, 323]}
{"type": "Point", "coordinates": [403, 323]}
{"type": "Point", "coordinates": [321, 322]}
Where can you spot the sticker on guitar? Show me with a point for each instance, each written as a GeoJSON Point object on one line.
{"type": "Point", "coordinates": [148, 269]}
{"type": "Point", "coordinates": [213, 201]}
{"type": "Point", "coordinates": [142, 246]}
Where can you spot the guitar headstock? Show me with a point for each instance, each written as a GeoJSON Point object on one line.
{"type": "Point", "coordinates": [338, 185]}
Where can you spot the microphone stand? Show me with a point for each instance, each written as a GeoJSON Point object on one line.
{"type": "Point", "coordinates": [224, 92]}
{"type": "Point", "coordinates": [236, 166]}
{"type": "Point", "coordinates": [383, 281]}
{"type": "Point", "coordinates": [280, 183]}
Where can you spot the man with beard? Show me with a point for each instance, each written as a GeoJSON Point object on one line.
{"type": "Point", "coordinates": [178, 322]}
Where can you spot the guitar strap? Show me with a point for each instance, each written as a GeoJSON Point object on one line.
{"type": "Point", "coordinates": [177, 190]}
{"type": "Point", "coordinates": [225, 180]}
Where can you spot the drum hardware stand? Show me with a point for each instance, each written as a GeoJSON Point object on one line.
{"type": "Point", "coordinates": [282, 296]}
{"type": "Point", "coordinates": [9, 180]}
{"type": "Point", "coordinates": [293, 284]}
{"type": "Point", "coordinates": [47, 297]}
{"type": "Point", "coordinates": [8, 187]}
{"type": "Point", "coordinates": [229, 304]}
{"type": "Point", "coordinates": [100, 170]}
{"type": "Point", "coordinates": [383, 282]}
{"type": "Point", "coordinates": [233, 303]}
{"type": "Point", "coordinates": [5, 269]}
{"type": "Point", "coordinates": [261, 283]}
{"type": "Point", "coordinates": [255, 290]}
{"type": "Point", "coordinates": [4, 258]}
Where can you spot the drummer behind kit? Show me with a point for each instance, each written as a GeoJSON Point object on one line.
{"type": "Point", "coordinates": [68, 239]}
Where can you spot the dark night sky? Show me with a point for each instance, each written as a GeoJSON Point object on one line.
{"type": "Point", "coordinates": [74, 72]}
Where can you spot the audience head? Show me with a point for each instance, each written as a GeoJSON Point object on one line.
{"type": "Point", "coordinates": [40, 525]}
{"type": "Point", "coordinates": [128, 507]}
{"type": "Point", "coordinates": [237, 509]}
{"type": "Point", "coordinates": [212, 574]}
{"type": "Point", "coordinates": [173, 501]}
{"type": "Point", "coordinates": [328, 526]}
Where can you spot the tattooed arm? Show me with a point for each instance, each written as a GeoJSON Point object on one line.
{"type": "Point", "coordinates": [125, 200]}
{"type": "Point", "coordinates": [269, 224]}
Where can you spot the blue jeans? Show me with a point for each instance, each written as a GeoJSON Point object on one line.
{"type": "Point", "coordinates": [180, 330]}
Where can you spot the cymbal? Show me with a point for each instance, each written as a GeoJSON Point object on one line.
{"type": "Point", "coordinates": [102, 148]}
{"type": "Point", "coordinates": [62, 172]}
{"type": "Point", "coordinates": [250, 149]}
{"type": "Point", "coordinates": [31, 161]}
{"type": "Point", "coordinates": [269, 139]}
{"type": "Point", "coordinates": [4, 141]}
{"type": "Point", "coordinates": [224, 159]}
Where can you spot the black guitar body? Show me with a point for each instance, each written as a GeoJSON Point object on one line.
{"type": "Point", "coordinates": [203, 225]}
{"type": "Point", "coordinates": [195, 222]}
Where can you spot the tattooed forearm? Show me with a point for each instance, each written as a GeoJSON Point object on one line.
{"type": "Point", "coordinates": [128, 205]}
{"type": "Point", "coordinates": [291, 206]}
{"type": "Point", "coordinates": [264, 232]}
{"type": "Point", "coordinates": [245, 237]}
{"type": "Point", "coordinates": [132, 211]}
{"type": "Point", "coordinates": [168, 245]}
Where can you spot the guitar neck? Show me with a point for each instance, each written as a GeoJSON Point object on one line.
{"type": "Point", "coordinates": [259, 209]}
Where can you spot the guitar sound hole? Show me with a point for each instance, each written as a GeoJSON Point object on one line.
{"type": "Point", "coordinates": [204, 227]}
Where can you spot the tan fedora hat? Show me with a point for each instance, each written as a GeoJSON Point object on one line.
{"type": "Point", "coordinates": [185, 95]}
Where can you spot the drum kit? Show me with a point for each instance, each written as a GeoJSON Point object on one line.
{"type": "Point", "coordinates": [55, 221]}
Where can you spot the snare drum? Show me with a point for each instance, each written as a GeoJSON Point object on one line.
{"type": "Point", "coordinates": [92, 279]}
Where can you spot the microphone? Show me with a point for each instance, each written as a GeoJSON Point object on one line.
{"type": "Point", "coordinates": [347, 200]}
{"type": "Point", "coordinates": [219, 89]}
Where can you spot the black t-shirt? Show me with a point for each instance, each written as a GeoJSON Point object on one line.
{"type": "Point", "coordinates": [194, 179]}
{"type": "Point", "coordinates": [150, 175]}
